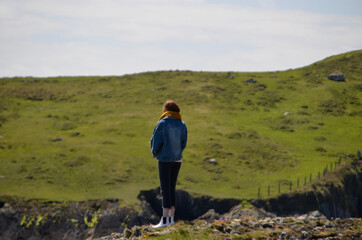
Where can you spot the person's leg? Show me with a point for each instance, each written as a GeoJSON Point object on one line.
{"type": "Point", "coordinates": [172, 215]}
{"type": "Point", "coordinates": [164, 169]}
{"type": "Point", "coordinates": [175, 168]}
{"type": "Point", "coordinates": [164, 175]}
{"type": "Point", "coordinates": [166, 212]}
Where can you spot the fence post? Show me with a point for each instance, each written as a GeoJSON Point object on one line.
{"type": "Point", "coordinates": [268, 190]}
{"type": "Point", "coordinates": [319, 175]}
{"type": "Point", "coordinates": [259, 192]}
{"type": "Point", "coordinates": [305, 181]}
{"type": "Point", "coordinates": [290, 186]}
{"type": "Point", "coordinates": [310, 178]}
{"type": "Point", "coordinates": [279, 188]}
{"type": "Point", "coordinates": [298, 183]}
{"type": "Point", "coordinates": [325, 170]}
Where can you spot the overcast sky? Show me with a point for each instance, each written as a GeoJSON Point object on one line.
{"type": "Point", "coordinates": [114, 37]}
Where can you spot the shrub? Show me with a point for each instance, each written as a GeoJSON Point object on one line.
{"type": "Point", "coordinates": [332, 106]}
{"type": "Point", "coordinates": [269, 99]}
{"type": "Point", "coordinates": [65, 126]}
{"type": "Point", "coordinates": [320, 149]}
{"type": "Point", "coordinates": [320, 138]}
{"type": "Point", "coordinates": [79, 161]}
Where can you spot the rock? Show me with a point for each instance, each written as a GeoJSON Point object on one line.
{"type": "Point", "coordinates": [113, 236]}
{"type": "Point", "coordinates": [266, 225]}
{"type": "Point", "coordinates": [329, 224]}
{"type": "Point", "coordinates": [210, 215]}
{"type": "Point", "coordinates": [286, 113]}
{"type": "Point", "coordinates": [250, 80]}
{"type": "Point", "coordinates": [304, 235]}
{"type": "Point", "coordinates": [219, 225]}
{"type": "Point", "coordinates": [255, 202]}
{"type": "Point", "coordinates": [211, 160]}
{"type": "Point", "coordinates": [256, 213]}
{"type": "Point", "coordinates": [315, 214]}
{"type": "Point", "coordinates": [127, 233]}
{"type": "Point", "coordinates": [278, 220]}
{"type": "Point", "coordinates": [165, 231]}
{"type": "Point", "coordinates": [148, 229]}
{"type": "Point", "coordinates": [235, 223]}
{"type": "Point", "coordinates": [136, 231]}
{"type": "Point", "coordinates": [337, 76]}
{"type": "Point", "coordinates": [283, 235]}
{"type": "Point", "coordinates": [57, 139]}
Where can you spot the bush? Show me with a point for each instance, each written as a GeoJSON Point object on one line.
{"type": "Point", "coordinates": [65, 126]}
{"type": "Point", "coordinates": [320, 138]}
{"type": "Point", "coordinates": [320, 149]}
{"type": "Point", "coordinates": [332, 106]}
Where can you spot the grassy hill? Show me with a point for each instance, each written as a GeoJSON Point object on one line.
{"type": "Point", "coordinates": [79, 138]}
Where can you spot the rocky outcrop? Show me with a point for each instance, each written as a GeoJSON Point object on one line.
{"type": "Point", "coordinates": [35, 219]}
{"type": "Point", "coordinates": [79, 220]}
{"type": "Point", "coordinates": [241, 212]}
{"type": "Point", "coordinates": [192, 206]}
{"type": "Point", "coordinates": [301, 227]}
{"type": "Point", "coordinates": [339, 196]}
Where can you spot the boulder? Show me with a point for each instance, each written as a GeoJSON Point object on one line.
{"type": "Point", "coordinates": [212, 161]}
{"type": "Point", "coordinates": [315, 214]}
{"type": "Point", "coordinates": [337, 76]}
{"type": "Point", "coordinates": [286, 113]}
{"type": "Point", "coordinates": [252, 212]}
{"type": "Point", "coordinates": [210, 215]}
{"type": "Point", "coordinates": [250, 80]}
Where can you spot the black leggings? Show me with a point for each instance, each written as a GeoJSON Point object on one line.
{"type": "Point", "coordinates": [168, 172]}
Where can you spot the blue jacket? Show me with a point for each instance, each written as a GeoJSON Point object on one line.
{"type": "Point", "coordinates": [169, 139]}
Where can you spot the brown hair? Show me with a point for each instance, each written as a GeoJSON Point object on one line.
{"type": "Point", "coordinates": [171, 106]}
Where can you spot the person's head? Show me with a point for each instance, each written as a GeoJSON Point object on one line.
{"type": "Point", "coordinates": [171, 106]}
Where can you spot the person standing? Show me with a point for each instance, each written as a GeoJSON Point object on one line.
{"type": "Point", "coordinates": [167, 144]}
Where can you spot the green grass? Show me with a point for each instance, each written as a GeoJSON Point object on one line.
{"type": "Point", "coordinates": [79, 138]}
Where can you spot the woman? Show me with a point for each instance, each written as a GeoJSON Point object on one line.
{"type": "Point", "coordinates": [167, 144]}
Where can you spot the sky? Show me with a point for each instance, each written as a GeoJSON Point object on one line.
{"type": "Point", "coordinates": [43, 38]}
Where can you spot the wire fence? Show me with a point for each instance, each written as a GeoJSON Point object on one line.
{"type": "Point", "coordinates": [284, 186]}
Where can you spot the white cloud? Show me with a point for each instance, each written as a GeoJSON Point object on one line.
{"type": "Point", "coordinates": [93, 37]}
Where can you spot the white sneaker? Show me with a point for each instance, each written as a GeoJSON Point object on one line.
{"type": "Point", "coordinates": [163, 223]}
{"type": "Point", "coordinates": [172, 220]}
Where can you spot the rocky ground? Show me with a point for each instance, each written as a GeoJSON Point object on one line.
{"type": "Point", "coordinates": [313, 226]}
{"type": "Point", "coordinates": [78, 221]}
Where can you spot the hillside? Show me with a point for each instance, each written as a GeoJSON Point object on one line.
{"type": "Point", "coordinates": [80, 138]}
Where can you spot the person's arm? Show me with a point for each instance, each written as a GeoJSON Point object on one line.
{"type": "Point", "coordinates": [156, 140]}
{"type": "Point", "coordinates": [184, 137]}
